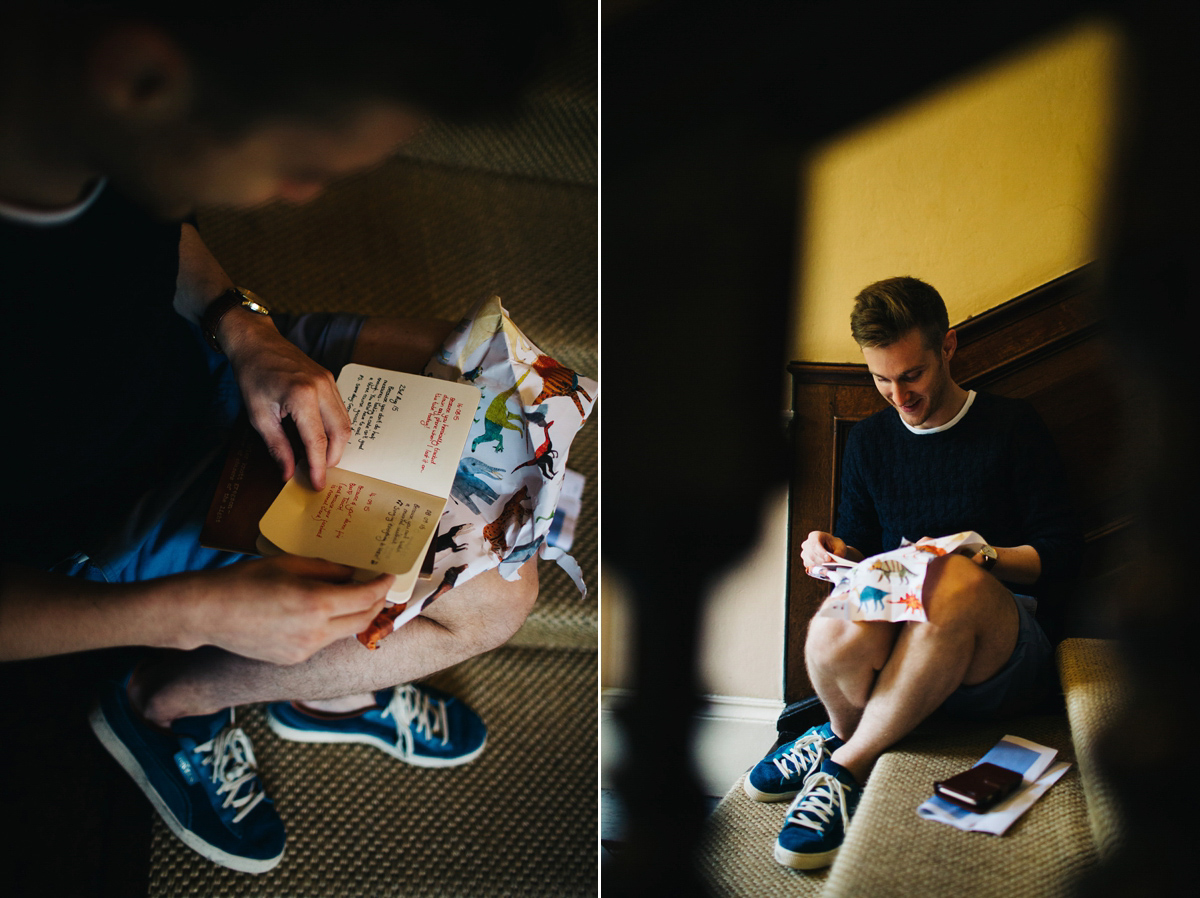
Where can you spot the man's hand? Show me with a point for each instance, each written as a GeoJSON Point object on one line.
{"type": "Point", "coordinates": [282, 609]}
{"type": "Point", "coordinates": [279, 381]}
{"type": "Point", "coordinates": [819, 546]}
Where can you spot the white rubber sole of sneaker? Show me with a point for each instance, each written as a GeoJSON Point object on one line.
{"type": "Point", "coordinates": [799, 861]}
{"type": "Point", "coordinates": [125, 758]}
{"type": "Point", "coordinates": [766, 796]}
{"type": "Point", "coordinates": [283, 731]}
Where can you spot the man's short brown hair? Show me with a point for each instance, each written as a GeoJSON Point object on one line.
{"type": "Point", "coordinates": [887, 310]}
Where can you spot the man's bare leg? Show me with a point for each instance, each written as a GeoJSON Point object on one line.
{"type": "Point", "coordinates": [480, 615]}
{"type": "Point", "coordinates": [843, 659]}
{"type": "Point", "coordinates": [970, 635]}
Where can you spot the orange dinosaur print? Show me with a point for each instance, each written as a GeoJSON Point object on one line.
{"type": "Point", "coordinates": [384, 623]}
{"type": "Point", "coordinates": [495, 532]}
{"type": "Point", "coordinates": [932, 550]}
{"type": "Point", "coordinates": [558, 380]}
{"type": "Point", "coordinates": [909, 601]}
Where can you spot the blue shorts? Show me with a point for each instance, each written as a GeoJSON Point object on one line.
{"type": "Point", "coordinates": [1026, 680]}
{"type": "Point", "coordinates": [171, 544]}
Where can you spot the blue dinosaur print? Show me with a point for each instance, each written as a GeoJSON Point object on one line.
{"type": "Point", "coordinates": [871, 595]}
{"type": "Point", "coordinates": [469, 484]}
{"type": "Point", "coordinates": [521, 554]}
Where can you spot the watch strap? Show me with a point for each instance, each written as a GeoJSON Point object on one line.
{"type": "Point", "coordinates": [989, 557]}
{"type": "Point", "coordinates": [221, 306]}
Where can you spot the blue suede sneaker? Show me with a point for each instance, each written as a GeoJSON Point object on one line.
{"type": "Point", "coordinates": [779, 775]}
{"type": "Point", "coordinates": [419, 725]}
{"type": "Point", "coordinates": [816, 821]}
{"type": "Point", "coordinates": [201, 778]}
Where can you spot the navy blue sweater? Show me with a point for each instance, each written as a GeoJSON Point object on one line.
{"type": "Point", "coordinates": [996, 472]}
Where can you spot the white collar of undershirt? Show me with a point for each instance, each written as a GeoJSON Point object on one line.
{"type": "Point", "coordinates": [47, 218]}
{"type": "Point", "coordinates": [921, 431]}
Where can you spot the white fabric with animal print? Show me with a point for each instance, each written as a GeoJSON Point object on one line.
{"type": "Point", "coordinates": [888, 586]}
{"type": "Point", "coordinates": [511, 473]}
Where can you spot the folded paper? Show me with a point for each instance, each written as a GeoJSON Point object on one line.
{"type": "Point", "coordinates": [888, 586]}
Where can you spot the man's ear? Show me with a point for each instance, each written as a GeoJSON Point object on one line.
{"type": "Point", "coordinates": [137, 72]}
{"type": "Point", "coordinates": [949, 344]}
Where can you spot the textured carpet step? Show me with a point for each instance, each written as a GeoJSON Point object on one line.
{"type": "Point", "coordinates": [520, 820]}
{"type": "Point", "coordinates": [735, 858]}
{"type": "Point", "coordinates": [890, 851]}
{"type": "Point", "coordinates": [554, 133]}
{"type": "Point", "coordinates": [1095, 693]}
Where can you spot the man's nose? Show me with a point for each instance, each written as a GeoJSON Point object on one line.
{"type": "Point", "coordinates": [298, 191]}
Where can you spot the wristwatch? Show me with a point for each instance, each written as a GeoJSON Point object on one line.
{"type": "Point", "coordinates": [217, 309]}
{"type": "Point", "coordinates": [989, 558]}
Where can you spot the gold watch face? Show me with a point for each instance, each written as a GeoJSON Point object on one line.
{"type": "Point", "coordinates": [251, 301]}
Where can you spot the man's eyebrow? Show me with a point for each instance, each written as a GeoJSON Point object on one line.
{"type": "Point", "coordinates": [907, 373]}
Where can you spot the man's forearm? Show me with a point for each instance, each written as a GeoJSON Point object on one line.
{"type": "Point", "coordinates": [201, 278]}
{"type": "Point", "coordinates": [46, 614]}
{"type": "Point", "coordinates": [1017, 564]}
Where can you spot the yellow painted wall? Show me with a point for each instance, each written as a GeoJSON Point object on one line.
{"type": "Point", "coordinates": [986, 188]}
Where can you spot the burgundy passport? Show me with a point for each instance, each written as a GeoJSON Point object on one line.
{"type": "Point", "coordinates": [979, 788]}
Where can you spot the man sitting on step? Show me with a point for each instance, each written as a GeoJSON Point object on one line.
{"type": "Point", "coordinates": [129, 352]}
{"type": "Point", "coordinates": [942, 460]}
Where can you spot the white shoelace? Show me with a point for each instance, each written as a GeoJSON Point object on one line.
{"type": "Point", "coordinates": [805, 753]}
{"type": "Point", "coordinates": [232, 760]}
{"type": "Point", "coordinates": [822, 796]}
{"type": "Point", "coordinates": [410, 706]}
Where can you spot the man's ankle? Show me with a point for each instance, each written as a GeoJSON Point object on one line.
{"type": "Point", "coordinates": [348, 704]}
{"type": "Point", "coordinates": [155, 703]}
{"type": "Point", "coordinates": [859, 768]}
{"type": "Point", "coordinates": [139, 701]}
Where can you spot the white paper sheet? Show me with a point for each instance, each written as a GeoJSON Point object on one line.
{"type": "Point", "coordinates": [1027, 758]}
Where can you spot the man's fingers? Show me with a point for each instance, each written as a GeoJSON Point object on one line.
{"type": "Point", "coordinates": [337, 429]}
{"type": "Point", "coordinates": [312, 433]}
{"type": "Point", "coordinates": [278, 445]}
{"type": "Point", "coordinates": [318, 568]}
{"type": "Point", "coordinates": [353, 624]}
{"type": "Point", "coordinates": [359, 596]}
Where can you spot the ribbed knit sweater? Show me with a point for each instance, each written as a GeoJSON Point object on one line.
{"type": "Point", "coordinates": [996, 471]}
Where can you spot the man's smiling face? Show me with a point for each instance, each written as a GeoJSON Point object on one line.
{"type": "Point", "coordinates": [915, 379]}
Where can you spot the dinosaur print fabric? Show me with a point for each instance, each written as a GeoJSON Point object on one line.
{"type": "Point", "coordinates": [888, 586]}
{"type": "Point", "coordinates": [506, 490]}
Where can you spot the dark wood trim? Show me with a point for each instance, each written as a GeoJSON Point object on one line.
{"type": "Point", "coordinates": [1008, 314]}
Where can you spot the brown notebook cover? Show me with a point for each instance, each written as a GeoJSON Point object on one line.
{"type": "Point", "coordinates": [249, 483]}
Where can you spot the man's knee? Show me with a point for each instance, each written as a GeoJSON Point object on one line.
{"type": "Point", "coordinates": [833, 643]}
{"type": "Point", "coordinates": [959, 591]}
{"type": "Point", "coordinates": [487, 610]}
{"type": "Point", "coordinates": [514, 600]}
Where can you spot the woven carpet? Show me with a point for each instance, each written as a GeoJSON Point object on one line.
{"type": "Point", "coordinates": [890, 851]}
{"type": "Point", "coordinates": [736, 859]}
{"type": "Point", "coordinates": [514, 822]}
{"type": "Point", "coordinates": [1095, 693]}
